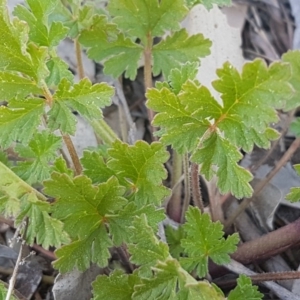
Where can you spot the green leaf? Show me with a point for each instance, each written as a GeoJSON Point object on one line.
{"type": "Point", "coordinates": [19, 120]}
{"type": "Point", "coordinates": [84, 97]}
{"type": "Point", "coordinates": [204, 239]}
{"type": "Point", "coordinates": [162, 286]}
{"type": "Point", "coordinates": [16, 86]}
{"type": "Point", "coordinates": [217, 151]}
{"type": "Point", "coordinates": [95, 167]}
{"type": "Point", "coordinates": [117, 286]}
{"type": "Point", "coordinates": [142, 166]}
{"type": "Point", "coordinates": [208, 3]}
{"type": "Point", "coordinates": [80, 253]}
{"type": "Point", "coordinates": [3, 292]}
{"type": "Point", "coordinates": [143, 17]}
{"type": "Point", "coordinates": [174, 237]}
{"type": "Point", "coordinates": [13, 44]}
{"type": "Point", "coordinates": [177, 49]}
{"type": "Point", "coordinates": [42, 32]}
{"type": "Point", "coordinates": [84, 209]}
{"type": "Point", "coordinates": [145, 248]}
{"type": "Point", "coordinates": [119, 53]}
{"type": "Point", "coordinates": [41, 150]}
{"type": "Point", "coordinates": [245, 290]}
{"type": "Point", "coordinates": [294, 194]}
{"type": "Point", "coordinates": [120, 224]}
{"type": "Point", "coordinates": [60, 166]}
{"type": "Point", "coordinates": [293, 58]}
{"type": "Point", "coordinates": [46, 230]}
{"type": "Point", "coordinates": [58, 70]}
{"type": "Point", "coordinates": [12, 190]}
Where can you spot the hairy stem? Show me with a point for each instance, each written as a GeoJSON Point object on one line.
{"type": "Point", "coordinates": [196, 189]}
{"type": "Point", "coordinates": [148, 72]}
{"type": "Point", "coordinates": [187, 188]}
{"type": "Point", "coordinates": [80, 68]}
{"type": "Point", "coordinates": [174, 205]}
{"type": "Point", "coordinates": [269, 244]}
{"type": "Point", "coordinates": [73, 153]}
{"type": "Point", "coordinates": [285, 158]}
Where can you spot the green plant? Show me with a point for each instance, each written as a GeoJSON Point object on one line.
{"type": "Point", "coordinates": [113, 197]}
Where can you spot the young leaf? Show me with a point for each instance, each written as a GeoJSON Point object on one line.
{"type": "Point", "coordinates": [204, 239]}
{"type": "Point", "coordinates": [58, 70]}
{"type": "Point", "coordinates": [106, 43]}
{"type": "Point", "coordinates": [19, 120]}
{"type": "Point", "coordinates": [42, 32]}
{"type": "Point", "coordinates": [245, 290]}
{"type": "Point", "coordinates": [145, 249]}
{"type": "Point", "coordinates": [15, 86]}
{"type": "Point", "coordinates": [84, 209]}
{"type": "Point", "coordinates": [144, 17]}
{"type": "Point", "coordinates": [174, 237]}
{"type": "Point", "coordinates": [13, 39]}
{"type": "Point", "coordinates": [46, 230]}
{"type": "Point", "coordinates": [294, 194]}
{"type": "Point", "coordinates": [178, 49]}
{"type": "Point", "coordinates": [120, 224]}
{"type": "Point", "coordinates": [84, 97]}
{"type": "Point", "coordinates": [117, 286]}
{"type": "Point", "coordinates": [60, 166]}
{"type": "Point", "coordinates": [142, 166]}
{"type": "Point", "coordinates": [40, 151]}
{"type": "Point", "coordinates": [217, 151]}
{"type": "Point", "coordinates": [208, 3]}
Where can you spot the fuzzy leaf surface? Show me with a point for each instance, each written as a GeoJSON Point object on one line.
{"type": "Point", "coordinates": [13, 39]}
{"type": "Point", "coordinates": [118, 52]}
{"type": "Point", "coordinates": [204, 239]}
{"type": "Point", "coordinates": [16, 86]}
{"type": "Point", "coordinates": [19, 120]}
{"type": "Point", "coordinates": [142, 166]}
{"type": "Point", "coordinates": [117, 286]}
{"type": "Point", "coordinates": [41, 226]}
{"type": "Point", "coordinates": [142, 17]}
{"type": "Point", "coordinates": [177, 49]}
{"type": "Point", "coordinates": [293, 57]}
{"type": "Point", "coordinates": [192, 118]}
{"type": "Point", "coordinates": [245, 290]}
{"type": "Point", "coordinates": [83, 208]}
{"type": "Point", "coordinates": [42, 32]}
{"type": "Point", "coordinates": [84, 97]}
{"type": "Point", "coordinates": [40, 151]}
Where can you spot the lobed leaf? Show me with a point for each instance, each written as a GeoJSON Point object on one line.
{"type": "Point", "coordinates": [41, 150]}
{"type": "Point", "coordinates": [19, 120]}
{"type": "Point", "coordinates": [177, 49]}
{"type": "Point", "coordinates": [139, 18]}
{"type": "Point", "coordinates": [204, 239]}
{"type": "Point", "coordinates": [294, 194]}
{"type": "Point", "coordinates": [117, 286]}
{"type": "Point", "coordinates": [245, 290]}
{"type": "Point", "coordinates": [141, 165]}
{"type": "Point", "coordinates": [42, 228]}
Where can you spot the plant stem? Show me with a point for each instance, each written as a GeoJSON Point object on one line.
{"type": "Point", "coordinates": [148, 72]}
{"type": "Point", "coordinates": [13, 278]}
{"type": "Point", "coordinates": [285, 158]}
{"type": "Point", "coordinates": [79, 59]}
{"type": "Point", "coordinates": [174, 205]}
{"type": "Point", "coordinates": [73, 153]}
{"type": "Point", "coordinates": [104, 131]}
{"type": "Point", "coordinates": [187, 188]}
{"type": "Point", "coordinates": [268, 245]}
{"type": "Point", "coordinates": [196, 189]}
